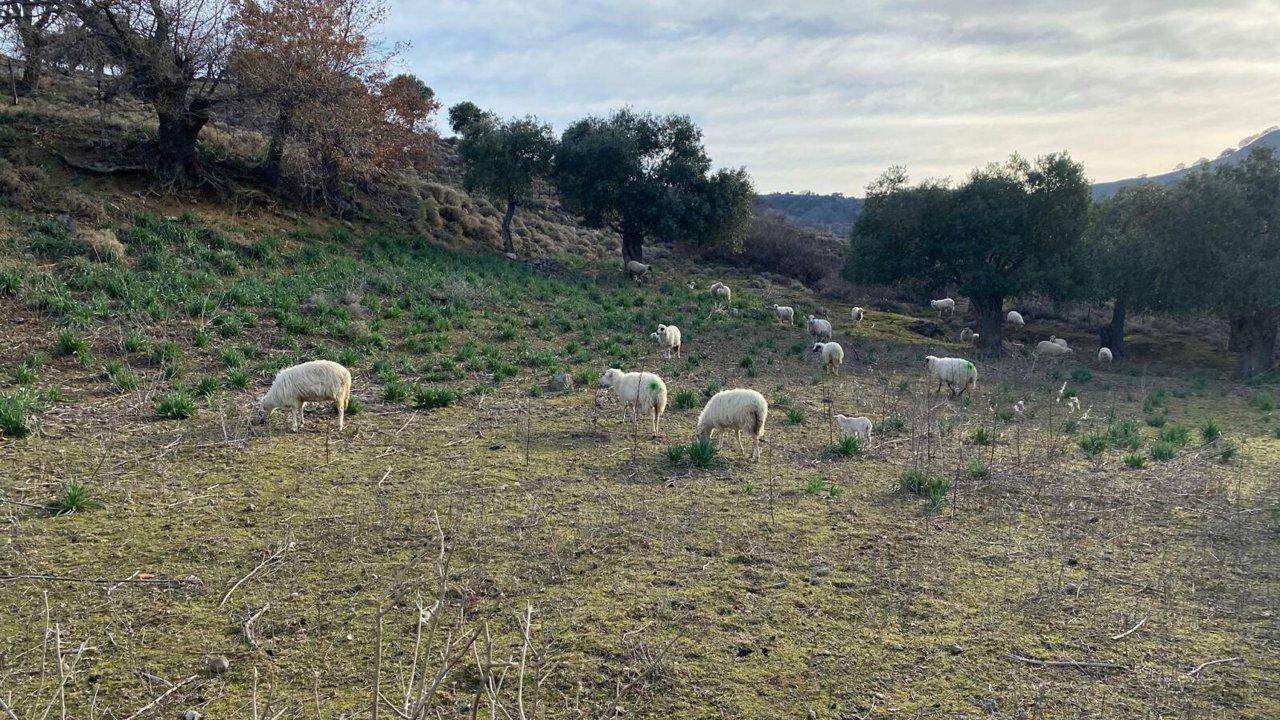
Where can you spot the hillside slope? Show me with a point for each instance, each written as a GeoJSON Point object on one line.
{"type": "Point", "coordinates": [833, 213]}
{"type": "Point", "coordinates": [1269, 139]}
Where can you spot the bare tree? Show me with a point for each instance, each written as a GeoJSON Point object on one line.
{"type": "Point", "coordinates": [32, 23]}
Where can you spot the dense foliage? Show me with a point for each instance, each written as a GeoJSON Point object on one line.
{"type": "Point", "coordinates": [504, 159]}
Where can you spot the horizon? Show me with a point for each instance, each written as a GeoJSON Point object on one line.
{"type": "Point", "coordinates": [823, 98]}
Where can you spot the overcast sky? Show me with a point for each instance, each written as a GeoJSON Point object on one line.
{"type": "Point", "coordinates": [823, 96]}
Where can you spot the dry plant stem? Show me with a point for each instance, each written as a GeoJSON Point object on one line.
{"type": "Point", "coordinates": [1196, 671]}
{"type": "Point", "coordinates": [161, 698]}
{"type": "Point", "coordinates": [1131, 630]}
{"type": "Point", "coordinates": [279, 553]}
{"type": "Point", "coordinates": [1082, 665]}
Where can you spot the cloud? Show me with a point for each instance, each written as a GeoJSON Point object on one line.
{"type": "Point", "coordinates": [826, 95]}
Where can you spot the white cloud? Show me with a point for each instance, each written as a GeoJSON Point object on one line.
{"type": "Point", "coordinates": [825, 95]}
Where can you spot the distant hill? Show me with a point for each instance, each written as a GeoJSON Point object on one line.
{"type": "Point", "coordinates": [1270, 138]}
{"type": "Point", "coordinates": [832, 213]}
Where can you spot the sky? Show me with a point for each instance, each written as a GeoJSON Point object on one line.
{"type": "Point", "coordinates": [824, 96]}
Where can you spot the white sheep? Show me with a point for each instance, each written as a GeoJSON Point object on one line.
{"type": "Point", "coordinates": [857, 314]}
{"type": "Point", "coordinates": [859, 426]}
{"type": "Point", "coordinates": [968, 336]}
{"type": "Point", "coordinates": [638, 390]}
{"type": "Point", "coordinates": [1050, 349]}
{"type": "Point", "coordinates": [784, 314]}
{"type": "Point", "coordinates": [831, 355]}
{"type": "Point", "coordinates": [314, 381]}
{"type": "Point", "coordinates": [819, 328]}
{"type": "Point", "coordinates": [736, 410]}
{"type": "Point", "coordinates": [1104, 355]}
{"type": "Point", "coordinates": [637, 269]}
{"type": "Point", "coordinates": [1015, 318]}
{"type": "Point", "coordinates": [721, 291]}
{"type": "Point", "coordinates": [1060, 342]}
{"type": "Point", "coordinates": [944, 306]}
{"type": "Point", "coordinates": [668, 336]}
{"type": "Point", "coordinates": [953, 372]}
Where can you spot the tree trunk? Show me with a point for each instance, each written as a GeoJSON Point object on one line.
{"type": "Point", "coordinates": [275, 147]}
{"type": "Point", "coordinates": [32, 60]}
{"type": "Point", "coordinates": [508, 245]}
{"type": "Point", "coordinates": [1253, 339]}
{"type": "Point", "coordinates": [632, 245]}
{"type": "Point", "coordinates": [180, 125]}
{"type": "Point", "coordinates": [988, 310]}
{"type": "Point", "coordinates": [1112, 336]}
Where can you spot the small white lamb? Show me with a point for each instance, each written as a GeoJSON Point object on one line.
{"type": "Point", "coordinates": [860, 426]}
{"type": "Point", "coordinates": [736, 410]}
{"type": "Point", "coordinates": [857, 314]}
{"type": "Point", "coordinates": [831, 355]}
{"type": "Point", "coordinates": [668, 337]}
{"type": "Point", "coordinates": [721, 291]}
{"type": "Point", "coordinates": [968, 336]}
{"type": "Point", "coordinates": [638, 390]}
{"type": "Point", "coordinates": [1015, 318]}
{"type": "Point", "coordinates": [1104, 355]}
{"type": "Point", "coordinates": [1060, 342]}
{"type": "Point", "coordinates": [637, 269]}
{"type": "Point", "coordinates": [819, 328]}
{"type": "Point", "coordinates": [953, 372]}
{"type": "Point", "coordinates": [945, 306]}
{"type": "Point", "coordinates": [784, 314]}
{"type": "Point", "coordinates": [314, 381]}
{"type": "Point", "coordinates": [1050, 349]}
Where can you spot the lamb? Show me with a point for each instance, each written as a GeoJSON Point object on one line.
{"type": "Point", "coordinates": [819, 328]}
{"type": "Point", "coordinates": [968, 336]}
{"type": "Point", "coordinates": [831, 355]}
{"type": "Point", "coordinates": [784, 314]}
{"type": "Point", "coordinates": [315, 381]}
{"type": "Point", "coordinates": [1104, 355]}
{"type": "Point", "coordinates": [1060, 342]}
{"type": "Point", "coordinates": [1050, 349]}
{"type": "Point", "coordinates": [857, 314]}
{"type": "Point", "coordinates": [1015, 318]}
{"type": "Point", "coordinates": [736, 410]}
{"type": "Point", "coordinates": [859, 426]}
{"type": "Point", "coordinates": [953, 372]}
{"type": "Point", "coordinates": [721, 291]}
{"type": "Point", "coordinates": [637, 269]}
{"type": "Point", "coordinates": [638, 390]}
{"type": "Point", "coordinates": [945, 306]}
{"type": "Point", "coordinates": [668, 336]}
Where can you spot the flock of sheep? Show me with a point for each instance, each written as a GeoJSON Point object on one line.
{"type": "Point", "coordinates": [739, 409]}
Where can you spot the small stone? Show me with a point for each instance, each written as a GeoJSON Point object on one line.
{"type": "Point", "coordinates": [990, 706]}
{"type": "Point", "coordinates": [218, 664]}
{"type": "Point", "coordinates": [350, 637]}
{"type": "Point", "coordinates": [955, 648]}
{"type": "Point", "coordinates": [561, 382]}
{"type": "Point", "coordinates": [512, 256]}
{"type": "Point", "coordinates": [191, 715]}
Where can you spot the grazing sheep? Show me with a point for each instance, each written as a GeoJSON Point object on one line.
{"type": "Point", "coordinates": [945, 306]}
{"type": "Point", "coordinates": [819, 328]}
{"type": "Point", "coordinates": [736, 410]}
{"type": "Point", "coordinates": [1050, 349]}
{"type": "Point", "coordinates": [1104, 355]}
{"type": "Point", "coordinates": [953, 372]}
{"type": "Point", "coordinates": [831, 355]}
{"type": "Point", "coordinates": [860, 426]}
{"type": "Point", "coordinates": [637, 269]}
{"type": "Point", "coordinates": [511, 256]}
{"type": "Point", "coordinates": [784, 314]}
{"type": "Point", "coordinates": [638, 390]}
{"type": "Point", "coordinates": [1060, 342]}
{"type": "Point", "coordinates": [668, 336]}
{"type": "Point", "coordinates": [968, 336]}
{"type": "Point", "coordinates": [1015, 318]}
{"type": "Point", "coordinates": [315, 381]}
{"type": "Point", "coordinates": [857, 314]}
{"type": "Point", "coordinates": [721, 291]}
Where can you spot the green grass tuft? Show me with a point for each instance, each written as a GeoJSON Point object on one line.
{"type": "Point", "coordinates": [75, 497]}
{"type": "Point", "coordinates": [176, 405]}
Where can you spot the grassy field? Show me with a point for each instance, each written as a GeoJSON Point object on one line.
{"type": "Point", "coordinates": [552, 558]}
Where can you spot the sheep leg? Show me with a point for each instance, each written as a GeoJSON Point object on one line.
{"type": "Point", "coordinates": [656, 419]}
{"type": "Point", "coordinates": [342, 412]}
{"type": "Point", "coordinates": [740, 448]}
{"type": "Point", "coordinates": [293, 417]}
{"type": "Point", "coordinates": [935, 392]}
{"type": "Point", "coordinates": [755, 452]}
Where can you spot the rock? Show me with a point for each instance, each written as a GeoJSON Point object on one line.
{"type": "Point", "coordinates": [218, 664]}
{"type": "Point", "coordinates": [190, 715]}
{"type": "Point", "coordinates": [561, 382]}
{"type": "Point", "coordinates": [990, 706]}
{"type": "Point", "coordinates": [512, 256]}
{"type": "Point", "coordinates": [955, 648]}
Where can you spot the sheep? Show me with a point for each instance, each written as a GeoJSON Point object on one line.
{"type": "Point", "coordinates": [736, 410]}
{"type": "Point", "coordinates": [945, 306]}
{"type": "Point", "coordinates": [668, 336]}
{"type": "Point", "coordinates": [315, 381]}
{"type": "Point", "coordinates": [1015, 318]}
{"type": "Point", "coordinates": [831, 355]}
{"type": "Point", "coordinates": [968, 336]}
{"type": "Point", "coordinates": [1060, 342]}
{"type": "Point", "coordinates": [784, 314]}
{"type": "Point", "coordinates": [859, 426]}
{"type": "Point", "coordinates": [721, 291]}
{"type": "Point", "coordinates": [638, 390]}
{"type": "Point", "coordinates": [1050, 349]}
{"type": "Point", "coordinates": [819, 328]}
{"type": "Point", "coordinates": [637, 269]}
{"type": "Point", "coordinates": [857, 314]}
{"type": "Point", "coordinates": [953, 371]}
{"type": "Point", "coordinates": [1104, 355]}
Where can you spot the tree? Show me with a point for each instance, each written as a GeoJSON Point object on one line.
{"type": "Point", "coordinates": [32, 23]}
{"type": "Point", "coordinates": [410, 103]}
{"type": "Point", "coordinates": [1010, 229]}
{"type": "Point", "coordinates": [1123, 248]}
{"type": "Point", "coordinates": [1225, 252]}
{"type": "Point", "coordinates": [463, 114]}
{"type": "Point", "coordinates": [505, 159]}
{"type": "Point", "coordinates": [174, 55]}
{"type": "Point", "coordinates": [647, 176]}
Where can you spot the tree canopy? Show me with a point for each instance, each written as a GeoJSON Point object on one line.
{"type": "Point", "coordinates": [503, 159]}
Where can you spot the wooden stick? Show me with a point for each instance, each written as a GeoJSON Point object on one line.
{"type": "Point", "coordinates": [1128, 632]}
{"type": "Point", "coordinates": [1080, 665]}
{"type": "Point", "coordinates": [1204, 665]}
{"type": "Point", "coordinates": [104, 581]}
{"type": "Point", "coordinates": [160, 699]}
{"type": "Point", "coordinates": [279, 553]}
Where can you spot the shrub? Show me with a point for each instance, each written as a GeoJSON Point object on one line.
{"type": "Point", "coordinates": [847, 446]}
{"type": "Point", "coordinates": [238, 379]}
{"type": "Point", "coordinates": [685, 399]}
{"type": "Point", "coordinates": [795, 416]}
{"type": "Point", "coordinates": [1135, 460]}
{"type": "Point", "coordinates": [1081, 375]}
{"type": "Point", "coordinates": [711, 389]}
{"type": "Point", "coordinates": [75, 496]}
{"type": "Point", "coordinates": [136, 342]}
{"type": "Point", "coordinates": [702, 453]}
{"type": "Point", "coordinates": [1092, 444]}
{"type": "Point", "coordinates": [206, 386]}
{"type": "Point", "coordinates": [1163, 450]}
{"type": "Point", "coordinates": [355, 405]}
{"type": "Point", "coordinates": [1263, 402]}
{"type": "Point", "coordinates": [892, 424]}
{"type": "Point", "coordinates": [121, 376]}
{"type": "Point", "coordinates": [1157, 420]}
{"type": "Point", "coordinates": [1124, 435]}
{"type": "Point", "coordinates": [982, 436]}
{"type": "Point", "coordinates": [1178, 435]}
{"type": "Point", "coordinates": [934, 488]}
{"type": "Point", "coordinates": [17, 414]}
{"type": "Point", "coordinates": [676, 454]}
{"type": "Point", "coordinates": [1227, 450]}
{"type": "Point", "coordinates": [976, 469]}
{"type": "Point", "coordinates": [175, 405]}
{"type": "Point", "coordinates": [1210, 431]}
{"type": "Point", "coordinates": [425, 397]}
{"type": "Point", "coordinates": [395, 391]}
{"type": "Point", "coordinates": [70, 343]}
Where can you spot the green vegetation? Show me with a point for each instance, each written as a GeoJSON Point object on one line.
{"type": "Point", "coordinates": [175, 405]}
{"type": "Point", "coordinates": [426, 397]}
{"type": "Point", "coordinates": [933, 488]}
{"type": "Point", "coordinates": [685, 399]}
{"type": "Point", "coordinates": [702, 453]}
{"type": "Point", "coordinates": [847, 446]}
{"type": "Point", "coordinates": [75, 497]}
{"type": "Point", "coordinates": [17, 414]}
